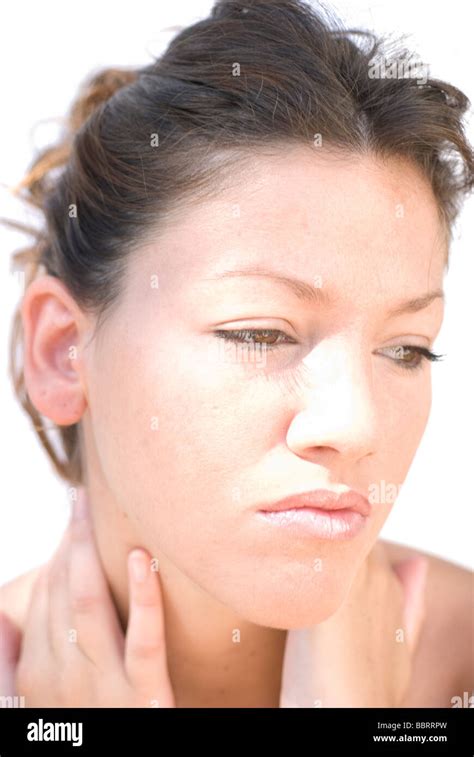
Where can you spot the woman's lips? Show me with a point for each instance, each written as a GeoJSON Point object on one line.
{"type": "Point", "coordinates": [323, 524]}
{"type": "Point", "coordinates": [321, 514]}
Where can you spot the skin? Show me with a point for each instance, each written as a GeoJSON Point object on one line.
{"type": "Point", "coordinates": [182, 445]}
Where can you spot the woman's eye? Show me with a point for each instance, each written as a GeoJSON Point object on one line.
{"type": "Point", "coordinates": [408, 357]}
{"type": "Point", "coordinates": [411, 357]}
{"type": "Point", "coordinates": [265, 337]}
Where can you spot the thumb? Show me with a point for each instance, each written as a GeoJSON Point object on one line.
{"type": "Point", "coordinates": [412, 574]}
{"type": "Point", "coordinates": [10, 643]}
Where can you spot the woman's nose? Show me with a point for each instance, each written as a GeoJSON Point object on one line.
{"type": "Point", "coordinates": [336, 406]}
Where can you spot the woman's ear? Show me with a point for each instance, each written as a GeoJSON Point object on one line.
{"type": "Point", "coordinates": [54, 330]}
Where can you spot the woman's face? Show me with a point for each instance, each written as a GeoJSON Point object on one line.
{"type": "Point", "coordinates": [189, 434]}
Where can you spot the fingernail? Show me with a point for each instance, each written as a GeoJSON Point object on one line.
{"type": "Point", "coordinates": [138, 567]}
{"type": "Point", "coordinates": [79, 505]}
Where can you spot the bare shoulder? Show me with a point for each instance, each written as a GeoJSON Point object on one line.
{"type": "Point", "coordinates": [15, 596]}
{"type": "Point", "coordinates": [444, 661]}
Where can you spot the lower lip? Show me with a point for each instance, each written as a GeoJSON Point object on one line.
{"type": "Point", "coordinates": [318, 523]}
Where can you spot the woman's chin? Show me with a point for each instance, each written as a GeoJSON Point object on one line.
{"type": "Point", "coordinates": [295, 609]}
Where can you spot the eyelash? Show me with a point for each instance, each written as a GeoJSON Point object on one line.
{"type": "Point", "coordinates": [238, 336]}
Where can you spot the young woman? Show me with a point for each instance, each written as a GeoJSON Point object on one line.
{"type": "Point", "coordinates": [229, 321]}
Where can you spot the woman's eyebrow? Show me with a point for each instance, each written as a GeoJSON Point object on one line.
{"type": "Point", "coordinates": [316, 294]}
{"type": "Point", "coordinates": [416, 303]}
{"type": "Point", "coordinates": [302, 289]}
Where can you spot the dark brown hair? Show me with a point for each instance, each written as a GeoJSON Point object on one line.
{"type": "Point", "coordinates": [255, 75]}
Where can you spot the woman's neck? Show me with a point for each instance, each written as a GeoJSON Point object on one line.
{"type": "Point", "coordinates": [215, 658]}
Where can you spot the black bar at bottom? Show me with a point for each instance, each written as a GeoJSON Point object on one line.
{"type": "Point", "coordinates": [63, 731]}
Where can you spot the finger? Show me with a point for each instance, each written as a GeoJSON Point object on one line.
{"type": "Point", "coordinates": [413, 575]}
{"type": "Point", "coordinates": [145, 646]}
{"type": "Point", "coordinates": [60, 631]}
{"type": "Point", "coordinates": [93, 614]}
{"type": "Point", "coordinates": [35, 634]}
{"type": "Point", "coordinates": [10, 644]}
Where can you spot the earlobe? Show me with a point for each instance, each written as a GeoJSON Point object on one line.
{"type": "Point", "coordinates": [52, 323]}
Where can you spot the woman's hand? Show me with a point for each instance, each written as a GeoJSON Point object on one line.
{"type": "Point", "coordinates": [362, 655]}
{"type": "Point", "coordinates": [10, 642]}
{"type": "Point", "coordinates": [73, 652]}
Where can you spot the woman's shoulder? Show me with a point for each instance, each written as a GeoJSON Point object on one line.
{"type": "Point", "coordinates": [444, 662]}
{"type": "Point", "coordinates": [15, 596]}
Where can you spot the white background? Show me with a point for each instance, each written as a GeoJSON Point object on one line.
{"type": "Point", "coordinates": [47, 49]}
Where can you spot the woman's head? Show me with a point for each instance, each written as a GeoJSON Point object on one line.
{"type": "Point", "coordinates": [257, 141]}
